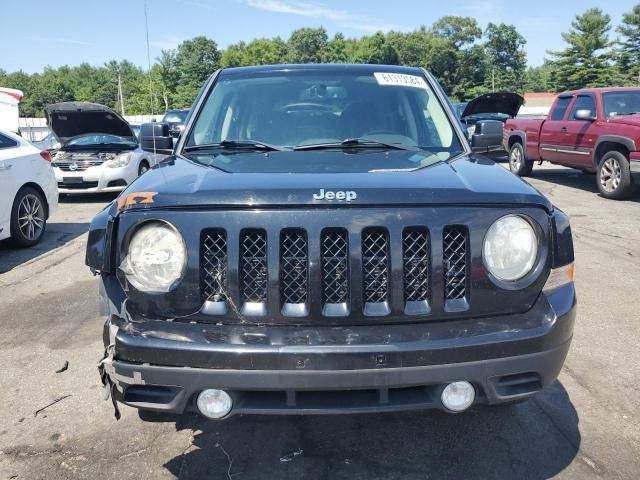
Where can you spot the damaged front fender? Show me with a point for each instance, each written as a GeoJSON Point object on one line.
{"type": "Point", "coordinates": [101, 234]}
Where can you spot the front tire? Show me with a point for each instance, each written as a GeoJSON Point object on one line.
{"type": "Point", "coordinates": [614, 176]}
{"type": "Point", "coordinates": [28, 218]}
{"type": "Point", "coordinates": [518, 164]}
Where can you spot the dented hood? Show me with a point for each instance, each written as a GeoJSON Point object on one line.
{"type": "Point", "coordinates": [71, 119]}
{"type": "Point", "coordinates": [499, 102]}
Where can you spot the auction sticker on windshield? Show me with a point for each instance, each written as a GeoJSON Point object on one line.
{"type": "Point", "coordinates": [400, 79]}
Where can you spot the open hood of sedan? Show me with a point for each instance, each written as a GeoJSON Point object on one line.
{"type": "Point", "coordinates": [499, 102]}
{"type": "Point", "coordinates": [70, 119]}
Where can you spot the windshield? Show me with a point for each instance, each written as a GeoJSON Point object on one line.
{"type": "Point", "coordinates": [178, 116]}
{"type": "Point", "coordinates": [99, 139]}
{"type": "Point", "coordinates": [297, 109]}
{"type": "Point", "coordinates": [621, 103]}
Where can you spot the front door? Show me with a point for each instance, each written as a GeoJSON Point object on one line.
{"type": "Point", "coordinates": [576, 145]}
{"type": "Point", "coordinates": [554, 130]}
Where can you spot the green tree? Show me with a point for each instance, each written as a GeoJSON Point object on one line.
{"type": "Point", "coordinates": [376, 49]}
{"type": "Point", "coordinates": [196, 60]}
{"type": "Point", "coordinates": [460, 31]}
{"type": "Point", "coordinates": [337, 49]}
{"type": "Point", "coordinates": [505, 58]}
{"type": "Point", "coordinates": [264, 51]}
{"type": "Point", "coordinates": [166, 71]}
{"type": "Point", "coordinates": [412, 48]}
{"type": "Point", "coordinates": [538, 79]}
{"type": "Point", "coordinates": [628, 60]}
{"type": "Point", "coordinates": [307, 45]}
{"type": "Point", "coordinates": [234, 55]}
{"type": "Point", "coordinates": [586, 60]}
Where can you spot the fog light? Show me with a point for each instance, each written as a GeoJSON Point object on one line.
{"type": "Point", "coordinates": [213, 403]}
{"type": "Point", "coordinates": [458, 396]}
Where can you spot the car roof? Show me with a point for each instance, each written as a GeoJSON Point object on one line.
{"type": "Point", "coordinates": [323, 67]}
{"type": "Point", "coordinates": [598, 90]}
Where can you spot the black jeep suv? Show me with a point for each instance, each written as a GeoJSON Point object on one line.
{"type": "Point", "coordinates": [324, 240]}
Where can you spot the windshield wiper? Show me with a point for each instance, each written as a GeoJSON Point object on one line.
{"type": "Point", "coordinates": [240, 144]}
{"type": "Point", "coordinates": [354, 143]}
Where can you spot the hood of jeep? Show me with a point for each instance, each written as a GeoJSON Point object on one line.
{"type": "Point", "coordinates": [474, 180]}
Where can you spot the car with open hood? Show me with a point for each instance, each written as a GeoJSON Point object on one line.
{"type": "Point", "coordinates": [324, 239]}
{"type": "Point", "coordinates": [485, 115]}
{"type": "Point", "coordinates": [97, 151]}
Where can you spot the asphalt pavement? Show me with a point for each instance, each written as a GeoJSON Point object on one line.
{"type": "Point", "coordinates": [586, 426]}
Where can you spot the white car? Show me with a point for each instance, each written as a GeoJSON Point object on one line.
{"type": "Point", "coordinates": [28, 191]}
{"type": "Point", "coordinates": [98, 150]}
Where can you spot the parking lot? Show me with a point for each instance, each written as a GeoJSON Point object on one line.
{"type": "Point", "coordinates": [587, 425]}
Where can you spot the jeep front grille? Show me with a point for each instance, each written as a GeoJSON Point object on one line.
{"type": "Point", "coordinates": [454, 245]}
{"type": "Point", "coordinates": [335, 272]}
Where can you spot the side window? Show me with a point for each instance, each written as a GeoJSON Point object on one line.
{"type": "Point", "coordinates": [560, 108]}
{"type": "Point", "coordinates": [6, 142]}
{"type": "Point", "coordinates": [583, 102]}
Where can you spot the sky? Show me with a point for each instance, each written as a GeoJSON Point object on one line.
{"type": "Point", "coordinates": [37, 33]}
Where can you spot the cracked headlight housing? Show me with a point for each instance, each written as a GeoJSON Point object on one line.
{"type": "Point", "coordinates": [510, 248]}
{"type": "Point", "coordinates": [156, 258]}
{"type": "Point", "coordinates": [122, 160]}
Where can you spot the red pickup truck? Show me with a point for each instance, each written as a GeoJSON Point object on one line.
{"type": "Point", "coordinates": [595, 130]}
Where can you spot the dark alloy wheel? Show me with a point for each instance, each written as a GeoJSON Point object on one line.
{"type": "Point", "coordinates": [518, 164]}
{"type": "Point", "coordinates": [28, 218]}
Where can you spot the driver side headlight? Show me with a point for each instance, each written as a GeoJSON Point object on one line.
{"type": "Point", "coordinates": [122, 160]}
{"type": "Point", "coordinates": [510, 248]}
{"type": "Point", "coordinates": [156, 258]}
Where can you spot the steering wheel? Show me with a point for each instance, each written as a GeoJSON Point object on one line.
{"type": "Point", "coordinates": [300, 107]}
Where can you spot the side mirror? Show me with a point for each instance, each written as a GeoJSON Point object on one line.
{"type": "Point", "coordinates": [584, 114]}
{"type": "Point", "coordinates": [155, 138]}
{"type": "Point", "coordinates": [487, 136]}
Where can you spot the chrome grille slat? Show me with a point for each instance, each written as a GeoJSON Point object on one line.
{"type": "Point", "coordinates": [253, 266]}
{"type": "Point", "coordinates": [293, 267]}
{"type": "Point", "coordinates": [375, 265]}
{"type": "Point", "coordinates": [416, 253]}
{"type": "Point", "coordinates": [213, 265]}
{"type": "Point", "coordinates": [335, 269]}
{"type": "Point", "coordinates": [455, 262]}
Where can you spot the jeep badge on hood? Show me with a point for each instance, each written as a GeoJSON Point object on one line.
{"type": "Point", "coordinates": [338, 195]}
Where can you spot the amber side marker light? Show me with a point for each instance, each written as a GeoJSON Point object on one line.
{"type": "Point", "coordinates": [558, 277]}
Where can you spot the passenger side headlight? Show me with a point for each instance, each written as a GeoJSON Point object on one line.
{"type": "Point", "coordinates": [156, 258]}
{"type": "Point", "coordinates": [510, 248]}
{"type": "Point", "coordinates": [122, 160]}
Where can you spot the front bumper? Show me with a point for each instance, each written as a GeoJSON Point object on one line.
{"type": "Point", "coordinates": [98, 179]}
{"type": "Point", "coordinates": [162, 366]}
